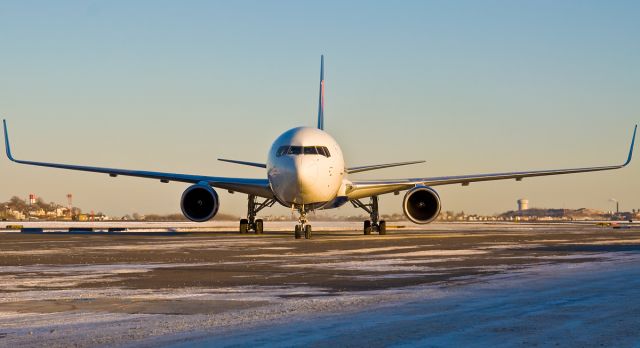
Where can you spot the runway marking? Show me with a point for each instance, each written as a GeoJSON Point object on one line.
{"type": "Point", "coordinates": [390, 265]}
{"type": "Point", "coordinates": [436, 253]}
{"type": "Point", "coordinates": [608, 242]}
{"type": "Point", "coordinates": [510, 246]}
{"type": "Point", "coordinates": [32, 252]}
{"type": "Point", "coordinates": [336, 252]}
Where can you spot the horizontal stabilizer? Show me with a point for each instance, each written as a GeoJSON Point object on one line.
{"type": "Point", "coordinates": [244, 163]}
{"type": "Point", "coordinates": [379, 166]}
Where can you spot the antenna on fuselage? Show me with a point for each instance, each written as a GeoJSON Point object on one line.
{"type": "Point", "coordinates": [321, 97]}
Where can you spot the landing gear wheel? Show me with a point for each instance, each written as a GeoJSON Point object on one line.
{"type": "Point", "coordinates": [298, 232]}
{"type": "Point", "coordinates": [244, 226]}
{"type": "Point", "coordinates": [382, 228]}
{"type": "Point", "coordinates": [373, 224]}
{"type": "Point", "coordinates": [367, 227]}
{"type": "Point", "coordinates": [307, 232]}
{"type": "Point", "coordinates": [253, 207]}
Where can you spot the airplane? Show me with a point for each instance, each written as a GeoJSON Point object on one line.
{"type": "Point", "coordinates": [305, 170]}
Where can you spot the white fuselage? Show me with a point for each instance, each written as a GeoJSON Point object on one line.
{"type": "Point", "coordinates": [305, 167]}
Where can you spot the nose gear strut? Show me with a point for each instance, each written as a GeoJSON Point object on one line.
{"type": "Point", "coordinates": [302, 227]}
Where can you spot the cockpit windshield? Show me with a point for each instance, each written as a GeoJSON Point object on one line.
{"type": "Point", "coordinates": [294, 150]}
{"type": "Point", "coordinates": [310, 150]}
{"type": "Point", "coordinates": [303, 150]}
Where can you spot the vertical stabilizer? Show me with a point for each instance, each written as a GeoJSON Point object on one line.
{"type": "Point", "coordinates": [321, 97]}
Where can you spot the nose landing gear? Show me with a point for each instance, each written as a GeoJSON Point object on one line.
{"type": "Point", "coordinates": [373, 225]}
{"type": "Point", "coordinates": [303, 228]}
{"type": "Point", "coordinates": [250, 223]}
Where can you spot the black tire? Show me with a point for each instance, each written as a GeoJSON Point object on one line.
{"type": "Point", "coordinates": [307, 232]}
{"type": "Point", "coordinates": [244, 226]}
{"type": "Point", "coordinates": [382, 228]}
{"type": "Point", "coordinates": [367, 227]}
{"type": "Point", "coordinates": [298, 232]}
{"type": "Point", "coordinates": [259, 226]}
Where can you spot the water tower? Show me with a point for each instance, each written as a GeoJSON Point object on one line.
{"type": "Point", "coordinates": [523, 204]}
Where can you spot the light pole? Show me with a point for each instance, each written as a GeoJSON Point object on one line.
{"type": "Point", "coordinates": [617, 204]}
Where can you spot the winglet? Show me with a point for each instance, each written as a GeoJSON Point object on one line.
{"type": "Point", "coordinates": [6, 141]}
{"type": "Point", "coordinates": [321, 97]}
{"type": "Point", "coordinates": [633, 140]}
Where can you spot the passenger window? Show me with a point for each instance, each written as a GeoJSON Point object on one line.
{"type": "Point", "coordinates": [310, 150]}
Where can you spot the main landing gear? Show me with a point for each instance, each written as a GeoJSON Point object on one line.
{"type": "Point", "coordinates": [303, 228]}
{"type": "Point", "coordinates": [250, 223]}
{"type": "Point", "coordinates": [373, 225]}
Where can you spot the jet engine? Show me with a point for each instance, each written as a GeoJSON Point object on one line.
{"type": "Point", "coordinates": [199, 203]}
{"type": "Point", "coordinates": [421, 204]}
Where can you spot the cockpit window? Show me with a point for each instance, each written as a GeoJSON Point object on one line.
{"type": "Point", "coordinates": [295, 150]}
{"type": "Point", "coordinates": [282, 150]}
{"type": "Point", "coordinates": [303, 150]}
{"type": "Point", "coordinates": [310, 150]}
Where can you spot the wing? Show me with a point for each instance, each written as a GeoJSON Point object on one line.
{"type": "Point", "coordinates": [362, 189]}
{"type": "Point", "coordinates": [258, 187]}
{"type": "Point", "coordinates": [244, 163]}
{"type": "Point", "coordinates": [379, 166]}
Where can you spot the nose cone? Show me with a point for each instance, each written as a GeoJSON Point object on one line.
{"type": "Point", "coordinates": [300, 180]}
{"type": "Point", "coordinates": [284, 179]}
{"type": "Point", "coordinates": [306, 176]}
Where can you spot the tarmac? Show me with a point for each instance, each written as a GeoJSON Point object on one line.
{"type": "Point", "coordinates": [505, 283]}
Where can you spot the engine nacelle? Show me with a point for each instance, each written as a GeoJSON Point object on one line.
{"type": "Point", "coordinates": [421, 204]}
{"type": "Point", "coordinates": [199, 203]}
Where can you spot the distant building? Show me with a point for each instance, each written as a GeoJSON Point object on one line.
{"type": "Point", "coordinates": [18, 215]}
{"type": "Point", "coordinates": [82, 217]}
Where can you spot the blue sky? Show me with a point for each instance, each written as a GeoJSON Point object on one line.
{"type": "Point", "coordinates": [468, 86]}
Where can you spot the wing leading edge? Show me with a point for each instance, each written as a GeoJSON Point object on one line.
{"type": "Point", "coordinates": [353, 170]}
{"type": "Point", "coordinates": [362, 189]}
{"type": "Point", "coordinates": [244, 163]}
{"type": "Point", "coordinates": [258, 187]}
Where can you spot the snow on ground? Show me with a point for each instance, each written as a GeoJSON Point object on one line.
{"type": "Point", "coordinates": [82, 304]}
{"type": "Point", "coordinates": [586, 305]}
{"type": "Point", "coordinates": [16, 278]}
